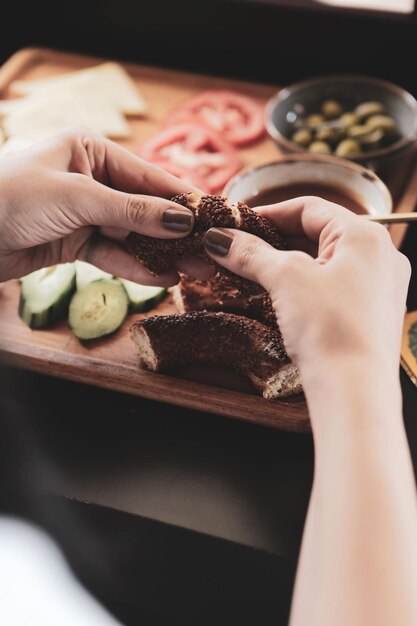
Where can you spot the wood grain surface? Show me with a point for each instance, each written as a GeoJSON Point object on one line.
{"type": "Point", "coordinates": [111, 362]}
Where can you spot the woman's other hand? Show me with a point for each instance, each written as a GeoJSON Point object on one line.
{"type": "Point", "coordinates": [76, 196]}
{"type": "Point", "coordinates": [341, 292]}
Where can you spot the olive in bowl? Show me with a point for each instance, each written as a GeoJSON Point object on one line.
{"type": "Point", "coordinates": [360, 118]}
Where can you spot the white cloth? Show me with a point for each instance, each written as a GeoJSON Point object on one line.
{"type": "Point", "coordinates": [37, 588]}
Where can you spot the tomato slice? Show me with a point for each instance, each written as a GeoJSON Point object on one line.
{"type": "Point", "coordinates": [184, 173]}
{"type": "Point", "coordinates": [197, 148]}
{"type": "Point", "coordinates": [238, 118]}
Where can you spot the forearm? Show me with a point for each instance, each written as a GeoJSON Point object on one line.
{"type": "Point", "coordinates": [358, 563]}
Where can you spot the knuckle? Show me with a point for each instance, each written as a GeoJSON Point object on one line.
{"type": "Point", "coordinates": [79, 133]}
{"type": "Point", "coordinates": [377, 233]}
{"type": "Point", "coordinates": [146, 178]}
{"type": "Point", "coordinates": [295, 259]}
{"type": "Point", "coordinates": [309, 201]}
{"type": "Point", "coordinates": [314, 203]}
{"type": "Point", "coordinates": [74, 134]}
{"type": "Point", "coordinates": [76, 181]}
{"type": "Point", "coordinates": [137, 209]}
{"type": "Point", "coordinates": [291, 262]}
{"type": "Point", "coordinates": [248, 255]}
{"type": "Point", "coordinates": [374, 236]}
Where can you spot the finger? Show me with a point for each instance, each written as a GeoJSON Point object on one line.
{"type": "Point", "coordinates": [95, 204]}
{"type": "Point", "coordinates": [111, 257]}
{"type": "Point", "coordinates": [307, 216]}
{"type": "Point", "coordinates": [196, 267]}
{"type": "Point", "coordinates": [78, 149]}
{"type": "Point", "coordinates": [119, 168]}
{"type": "Point", "coordinates": [128, 172]}
{"type": "Point", "coordinates": [251, 257]}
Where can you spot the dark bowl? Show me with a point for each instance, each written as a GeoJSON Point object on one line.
{"type": "Point", "coordinates": [349, 91]}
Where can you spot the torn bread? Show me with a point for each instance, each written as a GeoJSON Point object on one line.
{"type": "Point", "coordinates": [224, 292]}
{"type": "Point", "coordinates": [165, 342]}
{"type": "Point", "coordinates": [160, 255]}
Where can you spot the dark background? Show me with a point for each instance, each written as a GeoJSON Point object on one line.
{"type": "Point", "coordinates": [263, 41]}
{"type": "Point", "coordinates": [56, 435]}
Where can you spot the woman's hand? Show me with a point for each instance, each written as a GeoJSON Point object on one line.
{"type": "Point", "coordinates": [340, 301]}
{"type": "Point", "coordinates": [346, 299]}
{"type": "Point", "coordinates": [76, 197]}
{"type": "Point", "coordinates": [341, 313]}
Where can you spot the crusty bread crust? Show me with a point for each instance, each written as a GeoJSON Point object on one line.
{"type": "Point", "coordinates": [168, 341]}
{"type": "Point", "coordinates": [161, 255]}
{"type": "Point", "coordinates": [207, 330]}
{"type": "Point", "coordinates": [224, 292]}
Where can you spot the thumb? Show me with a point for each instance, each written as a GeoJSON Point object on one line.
{"type": "Point", "coordinates": [149, 215]}
{"type": "Point", "coordinates": [252, 257]}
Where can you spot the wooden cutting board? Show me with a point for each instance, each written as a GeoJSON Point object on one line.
{"type": "Point", "coordinates": [111, 363]}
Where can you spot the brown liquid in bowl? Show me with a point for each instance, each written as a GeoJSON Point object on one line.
{"type": "Point", "coordinates": [295, 190]}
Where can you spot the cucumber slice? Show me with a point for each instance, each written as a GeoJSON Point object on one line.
{"type": "Point", "coordinates": [87, 273]}
{"type": "Point", "coordinates": [98, 309]}
{"type": "Point", "coordinates": [142, 297]}
{"type": "Point", "coordinates": [45, 295]}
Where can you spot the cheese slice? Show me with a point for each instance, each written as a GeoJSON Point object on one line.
{"type": "Point", "coordinates": [40, 117]}
{"type": "Point", "coordinates": [109, 81]}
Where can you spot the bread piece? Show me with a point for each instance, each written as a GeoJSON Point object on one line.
{"type": "Point", "coordinates": [165, 342]}
{"type": "Point", "coordinates": [160, 255]}
{"type": "Point", "coordinates": [224, 292]}
{"type": "Point", "coordinates": [109, 81]}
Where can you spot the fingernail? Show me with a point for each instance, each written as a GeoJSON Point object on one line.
{"type": "Point", "coordinates": [177, 220]}
{"type": "Point", "coordinates": [218, 241]}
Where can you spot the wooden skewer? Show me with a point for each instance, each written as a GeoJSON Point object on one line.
{"type": "Point", "coordinates": [392, 218]}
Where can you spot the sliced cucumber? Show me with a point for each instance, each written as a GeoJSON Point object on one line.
{"type": "Point", "coordinates": [45, 295]}
{"type": "Point", "coordinates": [142, 297]}
{"type": "Point", "coordinates": [98, 309]}
{"type": "Point", "coordinates": [87, 273]}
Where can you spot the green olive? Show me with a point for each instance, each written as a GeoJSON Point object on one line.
{"type": "Point", "coordinates": [385, 122]}
{"type": "Point", "coordinates": [366, 109]}
{"type": "Point", "coordinates": [302, 137]}
{"type": "Point", "coordinates": [358, 131]}
{"type": "Point", "coordinates": [331, 109]}
{"type": "Point", "coordinates": [372, 139]}
{"type": "Point", "coordinates": [328, 133]}
{"type": "Point", "coordinates": [320, 147]}
{"type": "Point", "coordinates": [348, 148]}
{"type": "Point", "coordinates": [348, 119]}
{"type": "Point", "coordinates": [315, 120]}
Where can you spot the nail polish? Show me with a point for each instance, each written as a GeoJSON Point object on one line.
{"type": "Point", "coordinates": [218, 241]}
{"type": "Point", "coordinates": [177, 220]}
